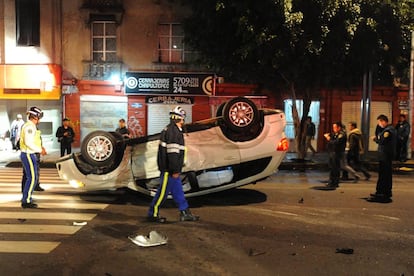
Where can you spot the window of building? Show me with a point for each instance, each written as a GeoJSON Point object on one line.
{"type": "Point", "coordinates": [104, 41]}
{"type": "Point", "coordinates": [171, 46]}
{"type": "Point", "coordinates": [104, 64]}
{"type": "Point", "coordinates": [28, 22]}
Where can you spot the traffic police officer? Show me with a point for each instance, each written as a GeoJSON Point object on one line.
{"type": "Point", "coordinates": [171, 152]}
{"type": "Point", "coordinates": [30, 144]}
{"type": "Point", "coordinates": [403, 132]}
{"type": "Point", "coordinates": [386, 140]}
{"type": "Point", "coordinates": [336, 148]}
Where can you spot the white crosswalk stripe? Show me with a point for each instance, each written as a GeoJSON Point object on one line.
{"type": "Point", "coordinates": [62, 211]}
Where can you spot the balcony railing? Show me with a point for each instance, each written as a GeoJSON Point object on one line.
{"type": "Point", "coordinates": [93, 70]}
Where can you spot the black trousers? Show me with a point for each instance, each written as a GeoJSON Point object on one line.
{"type": "Point", "coordinates": [355, 162]}
{"type": "Point", "coordinates": [65, 147]}
{"type": "Point", "coordinates": [384, 183]}
{"type": "Point", "coordinates": [401, 150]}
{"type": "Point", "coordinates": [335, 166]}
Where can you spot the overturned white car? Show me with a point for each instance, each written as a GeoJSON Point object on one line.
{"type": "Point", "coordinates": [239, 146]}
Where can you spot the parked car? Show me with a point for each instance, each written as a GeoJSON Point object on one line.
{"type": "Point", "coordinates": [241, 145]}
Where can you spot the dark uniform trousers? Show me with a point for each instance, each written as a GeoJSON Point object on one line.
{"type": "Point", "coordinates": [335, 165]}
{"type": "Point", "coordinates": [384, 183]}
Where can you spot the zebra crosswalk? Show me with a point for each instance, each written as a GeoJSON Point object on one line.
{"type": "Point", "coordinates": [62, 212]}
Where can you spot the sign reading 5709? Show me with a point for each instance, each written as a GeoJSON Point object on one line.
{"type": "Point", "coordinates": [169, 83]}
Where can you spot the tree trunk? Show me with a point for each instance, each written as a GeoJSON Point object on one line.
{"type": "Point", "coordinates": [300, 123]}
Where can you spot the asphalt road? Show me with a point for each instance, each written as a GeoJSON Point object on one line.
{"type": "Point", "coordinates": [284, 225]}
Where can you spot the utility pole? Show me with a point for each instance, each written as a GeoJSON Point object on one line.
{"type": "Point", "coordinates": [411, 98]}
{"type": "Point", "coordinates": [366, 107]}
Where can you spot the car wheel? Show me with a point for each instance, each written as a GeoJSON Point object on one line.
{"type": "Point", "coordinates": [240, 114]}
{"type": "Point", "coordinates": [99, 148]}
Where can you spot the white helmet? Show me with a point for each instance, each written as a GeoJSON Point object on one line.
{"type": "Point", "coordinates": [35, 112]}
{"type": "Point", "coordinates": [177, 113]}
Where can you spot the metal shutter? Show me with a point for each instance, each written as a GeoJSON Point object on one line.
{"type": "Point", "coordinates": [158, 116]}
{"type": "Point", "coordinates": [351, 111]}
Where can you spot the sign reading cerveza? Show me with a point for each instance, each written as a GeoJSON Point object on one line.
{"type": "Point", "coordinates": [169, 83]}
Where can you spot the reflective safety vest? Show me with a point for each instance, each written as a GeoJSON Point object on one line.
{"type": "Point", "coordinates": [30, 139]}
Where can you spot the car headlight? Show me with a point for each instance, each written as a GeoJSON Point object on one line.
{"type": "Point", "coordinates": [76, 184]}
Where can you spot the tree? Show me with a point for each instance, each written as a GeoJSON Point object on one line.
{"type": "Point", "coordinates": [299, 45]}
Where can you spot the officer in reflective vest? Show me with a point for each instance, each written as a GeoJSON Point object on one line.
{"type": "Point", "coordinates": [30, 144]}
{"type": "Point", "coordinates": [171, 153]}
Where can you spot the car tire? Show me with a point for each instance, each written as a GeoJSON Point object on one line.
{"type": "Point", "coordinates": [240, 114]}
{"type": "Point", "coordinates": [99, 148]}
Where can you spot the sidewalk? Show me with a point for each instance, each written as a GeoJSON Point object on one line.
{"type": "Point", "coordinates": [319, 161]}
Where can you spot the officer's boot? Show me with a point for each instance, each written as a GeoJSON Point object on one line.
{"type": "Point", "coordinates": [186, 215]}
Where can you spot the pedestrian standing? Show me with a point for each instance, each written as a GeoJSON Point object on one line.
{"type": "Point", "coordinates": [122, 129]}
{"type": "Point", "coordinates": [356, 149]}
{"type": "Point", "coordinates": [65, 135]}
{"type": "Point", "coordinates": [170, 162]}
{"type": "Point", "coordinates": [386, 141]}
{"type": "Point", "coordinates": [30, 144]}
{"type": "Point", "coordinates": [15, 130]}
{"type": "Point", "coordinates": [310, 134]}
{"type": "Point", "coordinates": [403, 132]}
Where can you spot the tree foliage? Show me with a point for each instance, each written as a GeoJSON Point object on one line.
{"type": "Point", "coordinates": [302, 45]}
{"type": "Point", "coordinates": [308, 42]}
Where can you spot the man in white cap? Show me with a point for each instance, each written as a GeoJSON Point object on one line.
{"type": "Point", "coordinates": [15, 129]}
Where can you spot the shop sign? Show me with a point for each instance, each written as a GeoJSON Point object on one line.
{"type": "Point", "coordinates": [403, 104]}
{"type": "Point", "coordinates": [169, 100]}
{"type": "Point", "coordinates": [169, 83]}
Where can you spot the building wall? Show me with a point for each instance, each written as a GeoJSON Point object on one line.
{"type": "Point", "coordinates": [31, 76]}
{"type": "Point", "coordinates": [137, 40]}
{"type": "Point", "coordinates": [331, 106]}
{"type": "Point", "coordinates": [66, 43]}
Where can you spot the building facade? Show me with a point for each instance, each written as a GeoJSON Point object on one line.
{"type": "Point", "coordinates": [97, 61]}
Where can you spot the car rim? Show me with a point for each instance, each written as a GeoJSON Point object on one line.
{"type": "Point", "coordinates": [241, 114]}
{"type": "Point", "coordinates": [100, 148]}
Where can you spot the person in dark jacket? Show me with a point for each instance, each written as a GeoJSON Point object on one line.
{"type": "Point", "coordinates": [170, 161]}
{"type": "Point", "coordinates": [65, 135]}
{"type": "Point", "coordinates": [403, 132]}
{"type": "Point", "coordinates": [336, 149]}
{"type": "Point", "coordinates": [122, 129]}
{"type": "Point", "coordinates": [310, 134]}
{"type": "Point", "coordinates": [386, 141]}
{"type": "Point", "coordinates": [355, 149]}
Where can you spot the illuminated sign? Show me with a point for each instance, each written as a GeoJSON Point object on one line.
{"type": "Point", "coordinates": [169, 83]}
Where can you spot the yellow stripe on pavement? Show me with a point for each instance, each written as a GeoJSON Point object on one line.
{"type": "Point", "coordinates": [40, 247]}
{"type": "Point", "coordinates": [47, 215]}
{"type": "Point", "coordinates": [39, 229]}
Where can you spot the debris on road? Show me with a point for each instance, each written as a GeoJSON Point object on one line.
{"type": "Point", "coordinates": [345, 250]}
{"type": "Point", "coordinates": [253, 252]}
{"type": "Point", "coordinates": [153, 239]}
{"type": "Point", "coordinates": [83, 223]}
